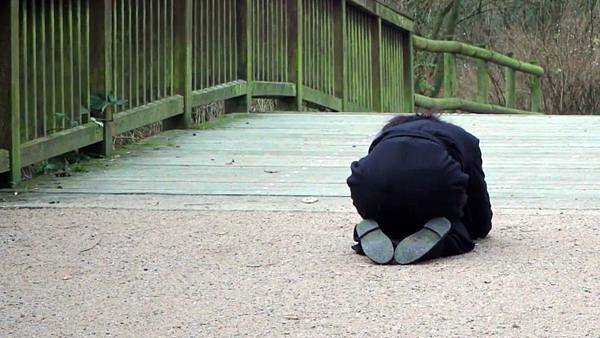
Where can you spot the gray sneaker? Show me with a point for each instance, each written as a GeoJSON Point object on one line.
{"type": "Point", "coordinates": [375, 244]}
{"type": "Point", "coordinates": [416, 246]}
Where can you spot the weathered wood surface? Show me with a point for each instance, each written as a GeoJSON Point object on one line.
{"type": "Point", "coordinates": [530, 161]}
{"type": "Point", "coordinates": [4, 161]}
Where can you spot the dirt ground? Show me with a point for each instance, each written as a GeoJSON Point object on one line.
{"type": "Point", "coordinates": [103, 272]}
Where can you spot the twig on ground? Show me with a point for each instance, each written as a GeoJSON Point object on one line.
{"type": "Point", "coordinates": [92, 247]}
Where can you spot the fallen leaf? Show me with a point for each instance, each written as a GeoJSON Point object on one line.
{"type": "Point", "coordinates": [310, 200]}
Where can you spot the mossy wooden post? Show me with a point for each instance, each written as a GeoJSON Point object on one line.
{"type": "Point", "coordinates": [483, 80]}
{"type": "Point", "coordinates": [339, 25]}
{"type": "Point", "coordinates": [449, 75]}
{"type": "Point", "coordinates": [182, 62]}
{"type": "Point", "coordinates": [241, 104]}
{"type": "Point", "coordinates": [101, 65]}
{"type": "Point", "coordinates": [536, 92]}
{"type": "Point", "coordinates": [450, 85]}
{"type": "Point", "coordinates": [511, 86]}
{"type": "Point", "coordinates": [10, 138]}
{"type": "Point", "coordinates": [293, 33]}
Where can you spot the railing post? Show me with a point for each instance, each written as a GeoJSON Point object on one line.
{"type": "Point", "coordinates": [342, 55]}
{"type": "Point", "coordinates": [101, 64]}
{"type": "Point", "coordinates": [294, 35]}
{"type": "Point", "coordinates": [242, 104]}
{"type": "Point", "coordinates": [10, 138]}
{"type": "Point", "coordinates": [182, 61]}
{"type": "Point", "coordinates": [408, 94]}
{"type": "Point", "coordinates": [483, 80]}
{"type": "Point", "coordinates": [511, 85]}
{"type": "Point", "coordinates": [376, 32]}
{"type": "Point", "coordinates": [536, 92]}
{"type": "Point", "coordinates": [450, 75]}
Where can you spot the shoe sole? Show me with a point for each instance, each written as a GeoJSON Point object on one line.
{"type": "Point", "coordinates": [375, 244]}
{"type": "Point", "coordinates": [414, 247]}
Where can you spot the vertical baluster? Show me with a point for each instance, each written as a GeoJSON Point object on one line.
{"type": "Point", "coordinates": [52, 52]}
{"type": "Point", "coordinates": [130, 55]}
{"type": "Point", "coordinates": [159, 45]}
{"type": "Point", "coordinates": [71, 61]}
{"type": "Point", "coordinates": [34, 75]}
{"type": "Point", "coordinates": [144, 53]}
{"type": "Point", "coordinates": [79, 64]}
{"type": "Point", "coordinates": [61, 56]}
{"type": "Point", "coordinates": [25, 74]}
{"type": "Point", "coordinates": [88, 56]}
{"type": "Point", "coordinates": [138, 52]}
{"type": "Point", "coordinates": [43, 103]}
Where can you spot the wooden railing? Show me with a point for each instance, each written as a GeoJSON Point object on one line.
{"type": "Point", "coordinates": [76, 73]}
{"type": "Point", "coordinates": [484, 56]}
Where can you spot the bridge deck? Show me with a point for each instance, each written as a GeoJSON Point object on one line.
{"type": "Point", "coordinates": [276, 160]}
{"type": "Point", "coordinates": [257, 260]}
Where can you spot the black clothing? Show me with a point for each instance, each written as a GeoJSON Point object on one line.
{"type": "Point", "coordinates": [419, 170]}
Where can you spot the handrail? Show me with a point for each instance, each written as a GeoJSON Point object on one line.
{"type": "Point", "coordinates": [451, 102]}
{"type": "Point", "coordinates": [454, 103]}
{"type": "Point", "coordinates": [442, 46]}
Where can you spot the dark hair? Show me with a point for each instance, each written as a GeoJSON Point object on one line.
{"type": "Point", "coordinates": [400, 119]}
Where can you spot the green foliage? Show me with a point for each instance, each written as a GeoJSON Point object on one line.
{"type": "Point", "coordinates": [101, 102]}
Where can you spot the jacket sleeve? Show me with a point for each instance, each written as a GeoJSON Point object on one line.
{"type": "Point", "coordinates": [478, 210]}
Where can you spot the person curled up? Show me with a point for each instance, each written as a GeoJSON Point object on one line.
{"type": "Point", "coordinates": [421, 192]}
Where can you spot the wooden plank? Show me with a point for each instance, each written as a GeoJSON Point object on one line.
{"type": "Point", "coordinates": [322, 99]}
{"type": "Point", "coordinates": [60, 143]}
{"type": "Point", "coordinates": [220, 92]}
{"type": "Point", "coordinates": [10, 127]}
{"type": "Point", "coordinates": [273, 89]}
{"type": "Point", "coordinates": [4, 161]}
{"type": "Point", "coordinates": [152, 112]}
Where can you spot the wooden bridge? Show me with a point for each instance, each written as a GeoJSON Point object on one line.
{"type": "Point", "coordinates": [79, 73]}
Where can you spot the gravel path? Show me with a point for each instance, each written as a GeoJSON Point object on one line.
{"type": "Point", "coordinates": [84, 272]}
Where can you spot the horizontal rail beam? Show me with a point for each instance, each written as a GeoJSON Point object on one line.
{"type": "Point", "coordinates": [152, 112]}
{"type": "Point", "coordinates": [219, 93]}
{"type": "Point", "coordinates": [60, 143]}
{"type": "Point", "coordinates": [273, 89]}
{"type": "Point", "coordinates": [440, 46]}
{"type": "Point", "coordinates": [465, 105]}
{"type": "Point", "coordinates": [322, 99]}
